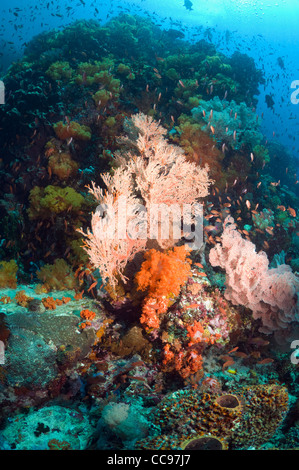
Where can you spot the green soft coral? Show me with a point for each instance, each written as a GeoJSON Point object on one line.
{"type": "Point", "coordinates": [60, 71]}
{"type": "Point", "coordinates": [53, 200]}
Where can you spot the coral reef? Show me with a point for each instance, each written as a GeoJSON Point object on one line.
{"type": "Point", "coordinates": [249, 419]}
{"type": "Point", "coordinates": [121, 325]}
{"type": "Point", "coordinates": [163, 177]}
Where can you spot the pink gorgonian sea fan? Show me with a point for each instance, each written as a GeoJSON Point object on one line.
{"type": "Point", "coordinates": [271, 293]}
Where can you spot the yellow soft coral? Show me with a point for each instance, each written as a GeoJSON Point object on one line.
{"type": "Point", "coordinates": [62, 165]}
{"type": "Point", "coordinates": [87, 74]}
{"type": "Point", "coordinates": [8, 274]}
{"type": "Point", "coordinates": [72, 129]}
{"type": "Point", "coordinates": [161, 275]}
{"type": "Point", "coordinates": [53, 200]}
{"type": "Point", "coordinates": [57, 276]}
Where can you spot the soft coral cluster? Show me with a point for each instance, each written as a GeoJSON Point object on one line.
{"type": "Point", "coordinates": [162, 275]}
{"type": "Point", "coordinates": [72, 129]}
{"type": "Point", "coordinates": [156, 173]}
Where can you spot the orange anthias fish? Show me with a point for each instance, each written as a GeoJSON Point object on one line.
{"type": "Point", "coordinates": [292, 212]}
{"type": "Point", "coordinates": [268, 360]}
{"type": "Point", "coordinates": [199, 265]}
{"type": "Point", "coordinates": [228, 363]}
{"type": "Point", "coordinates": [259, 341]}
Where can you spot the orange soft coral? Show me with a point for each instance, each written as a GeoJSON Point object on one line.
{"type": "Point", "coordinates": [88, 316]}
{"type": "Point", "coordinates": [49, 303]}
{"type": "Point", "coordinates": [57, 276]}
{"type": "Point", "coordinates": [22, 298]}
{"type": "Point", "coordinates": [161, 275]}
{"type": "Point", "coordinates": [195, 333]}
